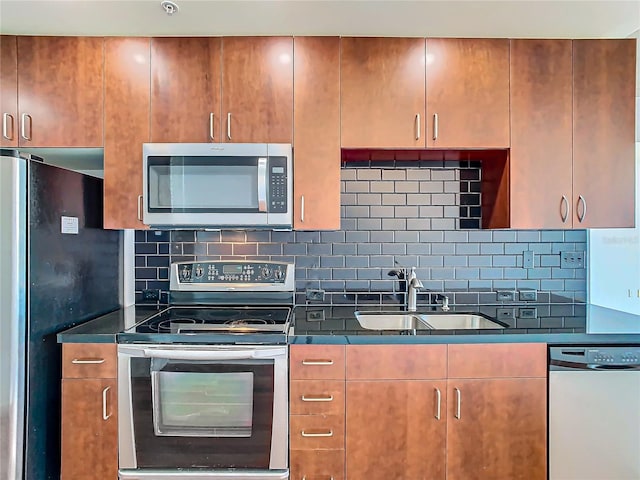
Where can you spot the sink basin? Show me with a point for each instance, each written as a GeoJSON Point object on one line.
{"type": "Point", "coordinates": [458, 321]}
{"type": "Point", "coordinates": [390, 321]}
{"type": "Point", "coordinates": [424, 321]}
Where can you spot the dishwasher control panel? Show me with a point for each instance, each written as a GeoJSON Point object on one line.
{"type": "Point", "coordinates": [618, 356]}
{"type": "Point", "coordinates": [613, 356]}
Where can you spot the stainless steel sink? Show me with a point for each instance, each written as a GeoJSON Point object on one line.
{"type": "Point", "coordinates": [458, 321]}
{"type": "Point", "coordinates": [424, 321]}
{"type": "Point", "coordinates": [390, 321]}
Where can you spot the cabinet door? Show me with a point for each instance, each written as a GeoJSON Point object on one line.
{"type": "Point", "coordinates": [395, 429]}
{"type": "Point", "coordinates": [257, 89]}
{"type": "Point", "coordinates": [383, 92]}
{"type": "Point", "coordinates": [60, 87]}
{"type": "Point", "coordinates": [497, 429]}
{"type": "Point", "coordinates": [316, 138]}
{"type": "Point", "coordinates": [541, 134]}
{"type": "Point", "coordinates": [468, 93]}
{"type": "Point", "coordinates": [9, 91]}
{"type": "Point", "coordinates": [603, 133]}
{"type": "Point", "coordinates": [126, 129]}
{"type": "Point", "coordinates": [317, 464]}
{"type": "Point", "coordinates": [185, 89]}
{"type": "Point", "coordinates": [89, 429]}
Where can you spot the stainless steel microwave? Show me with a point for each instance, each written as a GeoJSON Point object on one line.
{"type": "Point", "coordinates": [213, 185]}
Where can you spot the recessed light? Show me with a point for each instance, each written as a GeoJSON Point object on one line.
{"type": "Point", "coordinates": [169, 7]}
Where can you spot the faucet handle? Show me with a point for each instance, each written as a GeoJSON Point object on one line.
{"type": "Point", "coordinates": [401, 273]}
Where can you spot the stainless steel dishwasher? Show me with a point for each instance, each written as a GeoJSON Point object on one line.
{"type": "Point", "coordinates": [594, 413]}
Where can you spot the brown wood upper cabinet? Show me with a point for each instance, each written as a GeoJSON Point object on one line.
{"type": "Point", "coordinates": [9, 90]}
{"type": "Point", "coordinates": [541, 143]}
{"type": "Point", "coordinates": [467, 93]}
{"type": "Point", "coordinates": [316, 133]}
{"type": "Point", "coordinates": [60, 91]}
{"type": "Point", "coordinates": [185, 89]}
{"type": "Point", "coordinates": [257, 89]}
{"type": "Point", "coordinates": [382, 92]}
{"type": "Point", "coordinates": [603, 133]}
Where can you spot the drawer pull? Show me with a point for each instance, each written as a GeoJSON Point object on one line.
{"type": "Point", "coordinates": [317, 434]}
{"type": "Point", "coordinates": [317, 362]}
{"type": "Point", "coordinates": [87, 361]}
{"type": "Point", "coordinates": [328, 477]}
{"type": "Point", "coordinates": [317, 399]}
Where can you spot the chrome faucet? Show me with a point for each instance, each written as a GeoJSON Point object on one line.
{"type": "Point", "coordinates": [445, 302]}
{"type": "Point", "coordinates": [413, 285]}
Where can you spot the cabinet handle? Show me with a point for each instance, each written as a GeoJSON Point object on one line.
{"type": "Point", "coordinates": [317, 399]}
{"type": "Point", "coordinates": [435, 126]}
{"type": "Point", "coordinates": [458, 403]}
{"type": "Point", "coordinates": [23, 126]}
{"type": "Point", "coordinates": [5, 124]}
{"type": "Point", "coordinates": [564, 209]}
{"type": "Point", "coordinates": [105, 416]}
{"type": "Point", "coordinates": [417, 126]}
{"type": "Point", "coordinates": [140, 207]}
{"type": "Point", "coordinates": [229, 125]}
{"type": "Point", "coordinates": [317, 434]}
{"type": "Point", "coordinates": [584, 208]}
{"type": "Point", "coordinates": [87, 361]}
{"type": "Point", "coordinates": [438, 400]}
{"type": "Point", "coordinates": [302, 208]}
{"type": "Point", "coordinates": [211, 135]}
{"type": "Point", "coordinates": [317, 362]}
{"type": "Point", "coordinates": [328, 477]}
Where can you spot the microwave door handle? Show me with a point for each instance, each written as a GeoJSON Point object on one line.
{"type": "Point", "coordinates": [262, 184]}
{"type": "Point", "coordinates": [198, 355]}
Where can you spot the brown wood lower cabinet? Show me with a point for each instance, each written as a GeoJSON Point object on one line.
{"type": "Point", "coordinates": [89, 429]}
{"type": "Point", "coordinates": [317, 465]}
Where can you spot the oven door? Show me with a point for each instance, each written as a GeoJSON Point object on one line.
{"type": "Point", "coordinates": [202, 408]}
{"type": "Point", "coordinates": [216, 184]}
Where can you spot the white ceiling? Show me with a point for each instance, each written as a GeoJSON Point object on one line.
{"type": "Point", "coordinates": [449, 18]}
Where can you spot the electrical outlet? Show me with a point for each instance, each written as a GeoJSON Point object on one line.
{"type": "Point", "coordinates": [572, 260]}
{"type": "Point", "coordinates": [527, 259]}
{"type": "Point", "coordinates": [530, 312]}
{"type": "Point", "coordinates": [528, 295]}
{"type": "Point", "coordinates": [315, 315]}
{"type": "Point", "coordinates": [151, 295]}
{"type": "Point", "coordinates": [315, 295]}
{"type": "Point", "coordinates": [505, 295]}
{"type": "Point", "coordinates": [505, 314]}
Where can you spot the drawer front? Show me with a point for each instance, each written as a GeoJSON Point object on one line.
{"type": "Point", "coordinates": [317, 465]}
{"type": "Point", "coordinates": [316, 362]}
{"type": "Point", "coordinates": [89, 360]}
{"type": "Point", "coordinates": [396, 362]}
{"type": "Point", "coordinates": [498, 360]}
{"type": "Point", "coordinates": [316, 397]}
{"type": "Point", "coordinates": [310, 432]}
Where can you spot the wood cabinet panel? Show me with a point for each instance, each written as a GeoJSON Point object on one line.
{"type": "Point", "coordinates": [310, 432]}
{"type": "Point", "coordinates": [316, 362]}
{"type": "Point", "coordinates": [60, 87]}
{"type": "Point", "coordinates": [316, 138]}
{"type": "Point", "coordinates": [603, 132]}
{"type": "Point", "coordinates": [468, 90]}
{"type": "Point", "coordinates": [386, 362]}
{"type": "Point", "coordinates": [393, 432]}
{"type": "Point", "coordinates": [89, 429]}
{"type": "Point", "coordinates": [316, 397]}
{"type": "Point", "coordinates": [186, 89]}
{"type": "Point", "coordinates": [495, 360]}
{"type": "Point", "coordinates": [541, 134]}
{"type": "Point", "coordinates": [9, 90]}
{"type": "Point", "coordinates": [383, 92]}
{"type": "Point", "coordinates": [317, 465]}
{"type": "Point", "coordinates": [127, 98]}
{"type": "Point", "coordinates": [89, 360]}
{"type": "Point", "coordinates": [257, 89]}
{"type": "Point", "coordinates": [501, 429]}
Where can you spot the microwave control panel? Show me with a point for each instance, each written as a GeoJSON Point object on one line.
{"type": "Point", "coordinates": [278, 185]}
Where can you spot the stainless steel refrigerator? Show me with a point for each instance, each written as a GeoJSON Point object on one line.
{"type": "Point", "coordinates": [58, 268]}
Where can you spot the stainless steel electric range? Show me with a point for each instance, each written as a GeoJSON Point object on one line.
{"type": "Point", "coordinates": [203, 383]}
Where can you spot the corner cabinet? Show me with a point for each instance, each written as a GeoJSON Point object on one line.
{"type": "Point", "coordinates": [316, 133]}
{"type": "Point", "coordinates": [89, 412]}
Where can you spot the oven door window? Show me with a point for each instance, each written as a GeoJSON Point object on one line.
{"type": "Point", "coordinates": [202, 414]}
{"type": "Point", "coordinates": [186, 184]}
{"type": "Point", "coordinates": [201, 404]}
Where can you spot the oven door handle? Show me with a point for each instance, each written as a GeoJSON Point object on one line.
{"type": "Point", "coordinates": [198, 355]}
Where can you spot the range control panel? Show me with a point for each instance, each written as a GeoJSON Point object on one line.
{"type": "Point", "coordinates": [232, 272]}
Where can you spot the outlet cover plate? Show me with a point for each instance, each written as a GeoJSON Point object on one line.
{"type": "Point", "coordinates": [527, 259]}
{"type": "Point", "coordinates": [572, 260]}
{"type": "Point", "coordinates": [315, 295]}
{"type": "Point", "coordinates": [505, 295]}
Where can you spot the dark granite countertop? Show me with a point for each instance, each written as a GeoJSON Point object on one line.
{"type": "Point", "coordinates": [557, 324]}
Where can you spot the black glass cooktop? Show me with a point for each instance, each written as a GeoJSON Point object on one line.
{"type": "Point", "coordinates": [194, 320]}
